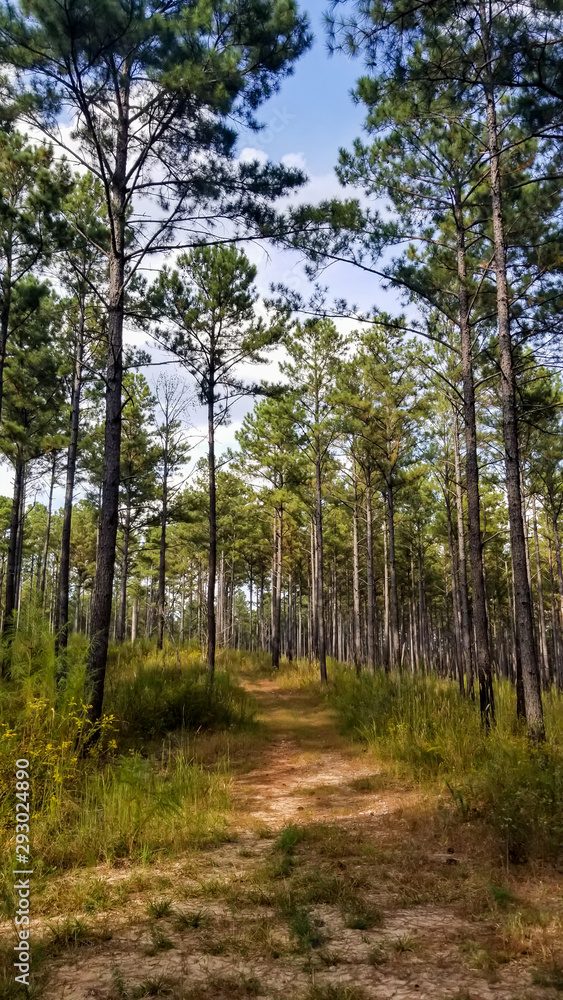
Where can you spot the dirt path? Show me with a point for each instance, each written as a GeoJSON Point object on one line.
{"type": "Point", "coordinates": [373, 894]}
{"type": "Point", "coordinates": [309, 773]}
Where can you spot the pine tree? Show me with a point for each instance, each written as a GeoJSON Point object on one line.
{"type": "Point", "coordinates": [168, 142]}
{"type": "Point", "coordinates": [33, 400]}
{"type": "Point", "coordinates": [270, 449]}
{"type": "Point", "coordinates": [315, 351]}
{"type": "Point", "coordinates": [210, 325]}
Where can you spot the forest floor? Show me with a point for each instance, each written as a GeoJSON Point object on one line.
{"type": "Point", "coordinates": [336, 881]}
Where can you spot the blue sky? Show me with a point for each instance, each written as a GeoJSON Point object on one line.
{"type": "Point", "coordinates": [306, 123]}
{"type": "Point", "coordinates": [317, 97]}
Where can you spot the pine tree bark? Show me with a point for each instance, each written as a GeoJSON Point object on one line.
{"type": "Point", "coordinates": [212, 566]}
{"type": "Point", "coordinates": [456, 602]}
{"type": "Point", "coordinates": [61, 610]}
{"type": "Point", "coordinates": [386, 607]}
{"type": "Point", "coordinates": [42, 576]}
{"type": "Point", "coordinates": [100, 614]}
{"type": "Point", "coordinates": [466, 618]}
{"type": "Point", "coordinates": [523, 603]}
{"type": "Point", "coordinates": [393, 598]}
{"type": "Point", "coordinates": [13, 548]}
{"type": "Point", "coordinates": [5, 312]}
{"type": "Point", "coordinates": [369, 577]}
{"type": "Point", "coordinates": [357, 641]}
{"type": "Point", "coordinates": [544, 655]}
{"type": "Point", "coordinates": [122, 619]}
{"type": "Point", "coordinates": [320, 575]}
{"type": "Point", "coordinates": [555, 620]}
{"type": "Point", "coordinates": [134, 618]}
{"type": "Point", "coordinates": [162, 553]}
{"type": "Point", "coordinates": [482, 650]}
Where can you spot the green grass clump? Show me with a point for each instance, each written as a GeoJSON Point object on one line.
{"type": "Point", "coordinates": [135, 791]}
{"type": "Point", "coordinates": [331, 991]}
{"type": "Point", "coordinates": [150, 697]}
{"type": "Point", "coordinates": [422, 725]}
{"type": "Point", "coordinates": [303, 927]}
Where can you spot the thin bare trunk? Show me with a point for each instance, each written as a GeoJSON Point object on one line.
{"type": "Point", "coordinates": [523, 602]}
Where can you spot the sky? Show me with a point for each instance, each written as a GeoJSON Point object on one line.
{"type": "Point", "coordinates": [306, 123]}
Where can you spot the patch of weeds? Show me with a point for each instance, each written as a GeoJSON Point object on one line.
{"type": "Point", "coordinates": [15, 991]}
{"type": "Point", "coordinates": [289, 838]}
{"type": "Point", "coordinates": [158, 908]}
{"type": "Point", "coordinates": [281, 867]}
{"type": "Point", "coordinates": [264, 833]}
{"type": "Point", "coordinates": [317, 886]}
{"type": "Point", "coordinates": [369, 783]}
{"type": "Point", "coordinates": [377, 955]}
{"type": "Point", "coordinates": [159, 942]}
{"type": "Point", "coordinates": [501, 895]}
{"type": "Point", "coordinates": [552, 976]}
{"type": "Point", "coordinates": [330, 991]}
{"type": "Point", "coordinates": [251, 985]}
{"type": "Point", "coordinates": [260, 936]}
{"type": "Point", "coordinates": [478, 955]}
{"type": "Point", "coordinates": [215, 947]}
{"type": "Point", "coordinates": [404, 943]}
{"type": "Point", "coordinates": [195, 920]}
{"type": "Point", "coordinates": [304, 928]}
{"type": "Point", "coordinates": [73, 932]}
{"type": "Point", "coordinates": [285, 846]}
{"type": "Point", "coordinates": [97, 896]}
{"type": "Point", "coordinates": [364, 919]}
{"type": "Point", "coordinates": [10, 990]}
{"type": "Point", "coordinates": [223, 986]}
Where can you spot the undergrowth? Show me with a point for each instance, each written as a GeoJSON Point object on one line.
{"type": "Point", "coordinates": [422, 728]}
{"type": "Point", "coordinates": [137, 790]}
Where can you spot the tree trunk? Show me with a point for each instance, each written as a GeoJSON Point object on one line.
{"type": "Point", "coordinates": [42, 577]}
{"type": "Point", "coordinates": [162, 557]}
{"type": "Point", "coordinates": [320, 575]}
{"type": "Point", "coordinates": [13, 548]}
{"type": "Point", "coordinates": [394, 604]}
{"type": "Point", "coordinates": [483, 656]}
{"type": "Point", "coordinates": [61, 611]}
{"type": "Point", "coordinates": [369, 578]}
{"type": "Point", "coordinates": [386, 610]}
{"type": "Point", "coordinates": [100, 608]}
{"type": "Point", "coordinates": [523, 603]}
{"type": "Point", "coordinates": [456, 607]}
{"type": "Point", "coordinates": [541, 610]}
{"type": "Point", "coordinates": [212, 567]}
{"type": "Point", "coordinates": [134, 618]}
{"type": "Point", "coordinates": [555, 621]}
{"type": "Point", "coordinates": [276, 588]}
{"type": "Point", "coordinates": [122, 620]}
{"type": "Point", "coordinates": [466, 620]}
{"type": "Point", "coordinates": [357, 640]}
{"type": "Point", "coordinates": [5, 313]}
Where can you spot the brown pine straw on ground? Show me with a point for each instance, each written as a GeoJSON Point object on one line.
{"type": "Point", "coordinates": [337, 882]}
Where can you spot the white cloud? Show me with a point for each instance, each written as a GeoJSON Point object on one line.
{"type": "Point", "coordinates": [294, 161]}
{"type": "Point", "coordinates": [249, 154]}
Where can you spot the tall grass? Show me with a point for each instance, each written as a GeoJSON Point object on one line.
{"type": "Point", "coordinates": [424, 728]}
{"type": "Point", "coordinates": [138, 790]}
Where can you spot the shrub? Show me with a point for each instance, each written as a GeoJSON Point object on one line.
{"type": "Point", "coordinates": [423, 726]}
{"type": "Point", "coordinates": [107, 800]}
{"type": "Point", "coordinates": [156, 698]}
